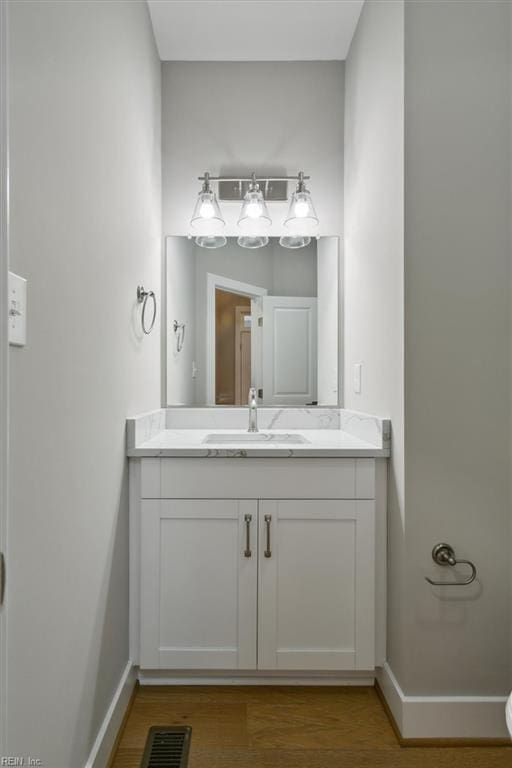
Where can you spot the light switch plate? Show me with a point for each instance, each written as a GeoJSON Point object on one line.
{"type": "Point", "coordinates": [357, 378]}
{"type": "Point", "coordinates": [17, 309]}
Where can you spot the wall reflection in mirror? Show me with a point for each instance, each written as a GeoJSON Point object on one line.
{"type": "Point", "coordinates": [266, 318]}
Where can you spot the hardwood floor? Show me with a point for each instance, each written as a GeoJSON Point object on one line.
{"type": "Point", "coordinates": [286, 727]}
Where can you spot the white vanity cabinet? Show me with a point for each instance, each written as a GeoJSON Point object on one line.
{"type": "Point", "coordinates": [256, 564]}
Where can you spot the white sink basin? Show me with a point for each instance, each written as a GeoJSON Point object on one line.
{"type": "Point", "coordinates": [255, 437]}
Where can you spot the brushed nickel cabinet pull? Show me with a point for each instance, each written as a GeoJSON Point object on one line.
{"type": "Point", "coordinates": [268, 551]}
{"type": "Point", "coordinates": [248, 520]}
{"type": "Point", "coordinates": [2, 578]}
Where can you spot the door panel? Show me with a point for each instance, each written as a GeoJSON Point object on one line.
{"type": "Point", "coordinates": [198, 589]}
{"type": "Point", "coordinates": [316, 589]}
{"type": "Point", "coordinates": [289, 350]}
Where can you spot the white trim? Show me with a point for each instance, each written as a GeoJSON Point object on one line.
{"type": "Point", "coordinates": [4, 355]}
{"type": "Point", "coordinates": [163, 320]}
{"type": "Point", "coordinates": [232, 286]}
{"type": "Point", "coordinates": [134, 485]}
{"type": "Point", "coordinates": [392, 693]}
{"type": "Point", "coordinates": [381, 560]}
{"type": "Point", "coordinates": [161, 677]}
{"type": "Point", "coordinates": [443, 717]}
{"type": "Point", "coordinates": [111, 724]}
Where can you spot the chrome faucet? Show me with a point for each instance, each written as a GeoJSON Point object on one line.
{"type": "Point", "coordinates": [253, 411]}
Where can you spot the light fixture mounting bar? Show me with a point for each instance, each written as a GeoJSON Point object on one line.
{"type": "Point", "coordinates": [234, 188]}
{"type": "Point", "coordinates": [207, 177]}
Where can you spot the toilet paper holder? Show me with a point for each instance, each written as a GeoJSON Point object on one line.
{"type": "Point", "coordinates": [444, 554]}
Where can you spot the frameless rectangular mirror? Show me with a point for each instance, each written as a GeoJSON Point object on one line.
{"type": "Point", "coordinates": [240, 317]}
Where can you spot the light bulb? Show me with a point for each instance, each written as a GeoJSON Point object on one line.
{"type": "Point", "coordinates": [254, 210]}
{"type": "Point", "coordinates": [301, 220]}
{"type": "Point", "coordinates": [301, 209]}
{"type": "Point", "coordinates": [207, 210]}
{"type": "Point", "coordinates": [254, 214]}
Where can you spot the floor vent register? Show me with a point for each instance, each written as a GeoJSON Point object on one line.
{"type": "Point", "coordinates": [167, 747]}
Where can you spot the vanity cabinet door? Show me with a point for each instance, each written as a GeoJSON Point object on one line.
{"type": "Point", "coordinates": [316, 585]}
{"type": "Point", "coordinates": [198, 584]}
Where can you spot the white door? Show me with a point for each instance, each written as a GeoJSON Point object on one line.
{"type": "Point", "coordinates": [316, 585]}
{"type": "Point", "coordinates": [198, 584]}
{"type": "Point", "coordinates": [289, 350]}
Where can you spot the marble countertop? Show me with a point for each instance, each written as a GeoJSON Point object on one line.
{"type": "Point", "coordinates": [340, 434]}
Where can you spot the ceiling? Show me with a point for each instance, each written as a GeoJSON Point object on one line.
{"type": "Point", "coordinates": [254, 30]}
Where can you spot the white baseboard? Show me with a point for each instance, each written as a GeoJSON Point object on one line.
{"type": "Point", "coordinates": [443, 717]}
{"type": "Point", "coordinates": [193, 677]}
{"type": "Point", "coordinates": [110, 726]}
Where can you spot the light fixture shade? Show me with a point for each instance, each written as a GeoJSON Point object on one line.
{"type": "Point", "coordinates": [211, 241]}
{"type": "Point", "coordinates": [294, 241]}
{"type": "Point", "coordinates": [301, 218]}
{"type": "Point", "coordinates": [207, 218]}
{"type": "Point", "coordinates": [252, 241]}
{"type": "Point", "coordinates": [254, 216]}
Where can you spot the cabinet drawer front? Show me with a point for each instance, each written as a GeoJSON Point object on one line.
{"type": "Point", "coordinates": [258, 478]}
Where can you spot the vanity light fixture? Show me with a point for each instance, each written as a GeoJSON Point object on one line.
{"type": "Point", "coordinates": [252, 241]}
{"type": "Point", "coordinates": [294, 241]}
{"type": "Point", "coordinates": [211, 241]}
{"type": "Point", "coordinates": [302, 218]}
{"type": "Point", "coordinates": [207, 218]}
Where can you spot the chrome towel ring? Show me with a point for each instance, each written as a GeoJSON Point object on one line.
{"type": "Point", "coordinates": [142, 298]}
{"type": "Point", "coordinates": [443, 554]}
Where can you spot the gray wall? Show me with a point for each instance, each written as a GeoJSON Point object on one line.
{"type": "Point", "coordinates": [374, 251]}
{"type": "Point", "coordinates": [228, 117]}
{"type": "Point", "coordinates": [457, 348]}
{"type": "Point", "coordinates": [85, 230]}
{"type": "Point", "coordinates": [449, 477]}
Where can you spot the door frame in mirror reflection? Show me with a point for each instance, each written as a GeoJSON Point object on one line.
{"type": "Point", "coordinates": [215, 282]}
